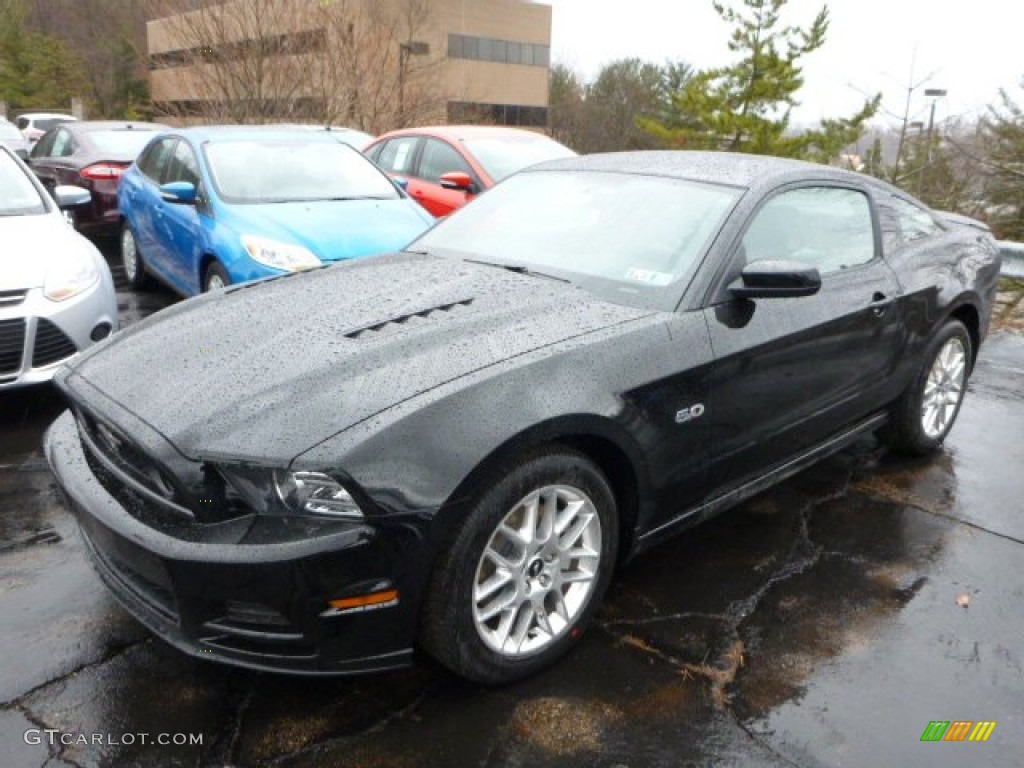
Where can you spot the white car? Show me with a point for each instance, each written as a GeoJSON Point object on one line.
{"type": "Point", "coordinates": [56, 293]}
{"type": "Point", "coordinates": [34, 124]}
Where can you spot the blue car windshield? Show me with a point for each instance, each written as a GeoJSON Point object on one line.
{"type": "Point", "coordinates": [294, 170]}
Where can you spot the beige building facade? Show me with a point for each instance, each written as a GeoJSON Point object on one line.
{"type": "Point", "coordinates": [368, 64]}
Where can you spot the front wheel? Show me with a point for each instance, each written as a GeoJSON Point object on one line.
{"type": "Point", "coordinates": [927, 409]}
{"type": "Point", "coordinates": [525, 571]}
{"type": "Point", "coordinates": [216, 278]}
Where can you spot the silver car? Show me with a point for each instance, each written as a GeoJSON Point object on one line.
{"type": "Point", "coordinates": [56, 293]}
{"type": "Point", "coordinates": [11, 137]}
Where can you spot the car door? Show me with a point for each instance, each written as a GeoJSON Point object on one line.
{"type": "Point", "coordinates": [437, 158]}
{"type": "Point", "coordinates": [48, 159]}
{"type": "Point", "coordinates": [790, 372]}
{"type": "Point", "coordinates": [140, 196]}
{"type": "Point", "coordinates": [178, 226]}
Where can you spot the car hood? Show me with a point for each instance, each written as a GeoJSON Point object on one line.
{"type": "Point", "coordinates": [267, 370]}
{"type": "Point", "coordinates": [27, 242]}
{"type": "Point", "coordinates": [337, 229]}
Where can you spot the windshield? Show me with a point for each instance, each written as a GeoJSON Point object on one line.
{"type": "Point", "coordinates": [124, 141]}
{"type": "Point", "coordinates": [503, 156]}
{"type": "Point", "coordinates": [626, 237]}
{"type": "Point", "coordinates": [9, 133]}
{"type": "Point", "coordinates": [261, 171]}
{"type": "Point", "coordinates": [46, 123]}
{"type": "Point", "coordinates": [18, 195]}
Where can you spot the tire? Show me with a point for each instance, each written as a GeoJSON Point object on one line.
{"type": "Point", "coordinates": [216, 277]}
{"type": "Point", "coordinates": [526, 616]}
{"type": "Point", "coordinates": [926, 411]}
{"type": "Point", "coordinates": [131, 259]}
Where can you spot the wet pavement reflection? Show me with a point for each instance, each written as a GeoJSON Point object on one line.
{"type": "Point", "coordinates": [818, 624]}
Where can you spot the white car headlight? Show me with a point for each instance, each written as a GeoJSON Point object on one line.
{"type": "Point", "coordinates": [68, 275]}
{"type": "Point", "coordinates": [286, 256]}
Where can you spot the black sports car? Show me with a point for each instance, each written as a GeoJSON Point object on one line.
{"type": "Point", "coordinates": [454, 446]}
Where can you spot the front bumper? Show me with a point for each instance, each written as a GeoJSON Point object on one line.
{"type": "Point", "coordinates": [37, 335]}
{"type": "Point", "coordinates": [255, 605]}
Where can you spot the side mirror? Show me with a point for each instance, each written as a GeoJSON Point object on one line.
{"type": "Point", "coordinates": [457, 180]}
{"type": "Point", "coordinates": [67, 196]}
{"type": "Point", "coordinates": [401, 182]}
{"type": "Point", "coordinates": [776, 280]}
{"type": "Point", "coordinates": [179, 192]}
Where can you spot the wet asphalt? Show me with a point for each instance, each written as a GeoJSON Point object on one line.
{"type": "Point", "coordinates": [824, 623]}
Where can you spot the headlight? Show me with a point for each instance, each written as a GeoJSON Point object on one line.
{"type": "Point", "coordinates": [281, 492]}
{"type": "Point", "coordinates": [272, 253]}
{"type": "Point", "coordinates": [69, 275]}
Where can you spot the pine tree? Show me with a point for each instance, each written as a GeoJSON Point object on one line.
{"type": "Point", "coordinates": [745, 107]}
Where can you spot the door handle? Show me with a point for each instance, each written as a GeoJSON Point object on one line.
{"type": "Point", "coordinates": [879, 303]}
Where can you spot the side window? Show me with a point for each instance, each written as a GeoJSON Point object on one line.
{"type": "Point", "coordinates": [182, 165]}
{"type": "Point", "coordinates": [440, 158]}
{"type": "Point", "coordinates": [154, 159]}
{"type": "Point", "coordinates": [397, 155]}
{"type": "Point", "coordinates": [827, 227]}
{"type": "Point", "coordinates": [915, 223]}
{"type": "Point", "coordinates": [44, 147]}
{"type": "Point", "coordinates": [63, 144]}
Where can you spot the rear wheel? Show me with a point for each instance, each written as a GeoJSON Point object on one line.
{"type": "Point", "coordinates": [925, 413]}
{"type": "Point", "coordinates": [526, 570]}
{"type": "Point", "coordinates": [216, 277]}
{"type": "Point", "coordinates": [131, 259]}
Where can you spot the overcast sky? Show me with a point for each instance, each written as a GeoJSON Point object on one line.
{"type": "Point", "coordinates": [970, 48]}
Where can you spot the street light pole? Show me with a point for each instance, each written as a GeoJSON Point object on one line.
{"type": "Point", "coordinates": [405, 50]}
{"type": "Point", "coordinates": [935, 94]}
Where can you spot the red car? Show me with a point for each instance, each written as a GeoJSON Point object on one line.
{"type": "Point", "coordinates": [446, 166]}
{"type": "Point", "coordinates": [91, 155]}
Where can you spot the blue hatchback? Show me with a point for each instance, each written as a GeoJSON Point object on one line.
{"type": "Point", "coordinates": [202, 208]}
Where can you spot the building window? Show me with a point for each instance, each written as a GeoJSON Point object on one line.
{"type": "Point", "coordinates": [308, 41]}
{"type": "Point", "coordinates": [497, 114]}
{"type": "Point", "coordinates": [502, 51]}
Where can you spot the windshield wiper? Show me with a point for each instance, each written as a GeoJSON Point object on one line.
{"type": "Point", "coordinates": [519, 269]}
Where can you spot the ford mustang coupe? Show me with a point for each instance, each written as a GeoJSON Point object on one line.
{"type": "Point", "coordinates": [452, 447]}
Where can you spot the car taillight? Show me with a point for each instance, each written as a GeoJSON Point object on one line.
{"type": "Point", "coordinates": [103, 171]}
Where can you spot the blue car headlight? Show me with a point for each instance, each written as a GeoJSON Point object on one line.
{"type": "Point", "coordinates": [273, 253]}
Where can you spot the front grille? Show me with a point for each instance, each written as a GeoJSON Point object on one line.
{"type": "Point", "coordinates": [12, 344]}
{"type": "Point", "coordinates": [126, 471]}
{"type": "Point", "coordinates": [52, 344]}
{"type": "Point", "coordinates": [12, 298]}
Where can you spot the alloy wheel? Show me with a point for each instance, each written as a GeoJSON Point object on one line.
{"type": "Point", "coordinates": [944, 388]}
{"type": "Point", "coordinates": [537, 571]}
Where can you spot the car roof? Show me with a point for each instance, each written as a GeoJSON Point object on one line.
{"type": "Point", "coordinates": [204, 133]}
{"type": "Point", "coordinates": [462, 132]}
{"type": "Point", "coordinates": [731, 168]}
{"type": "Point", "coordinates": [47, 115]}
{"type": "Point", "coordinates": [126, 125]}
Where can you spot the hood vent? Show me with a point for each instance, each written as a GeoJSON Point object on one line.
{"type": "Point", "coordinates": [395, 323]}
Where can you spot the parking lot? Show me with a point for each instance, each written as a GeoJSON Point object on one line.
{"type": "Point", "coordinates": [825, 622]}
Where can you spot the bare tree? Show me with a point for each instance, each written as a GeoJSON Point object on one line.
{"type": "Point", "coordinates": [359, 62]}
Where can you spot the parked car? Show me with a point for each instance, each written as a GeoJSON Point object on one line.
{"type": "Point", "coordinates": [446, 166]}
{"type": "Point", "coordinates": [94, 156]}
{"type": "Point", "coordinates": [34, 124]}
{"type": "Point", "coordinates": [207, 207]}
{"type": "Point", "coordinates": [454, 446]}
{"type": "Point", "coordinates": [11, 138]}
{"type": "Point", "coordinates": [56, 293]}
